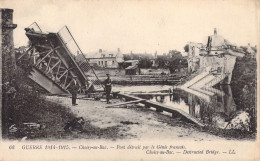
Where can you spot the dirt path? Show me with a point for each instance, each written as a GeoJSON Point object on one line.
{"type": "Point", "coordinates": [134, 123]}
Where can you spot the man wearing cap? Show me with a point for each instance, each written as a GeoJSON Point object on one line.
{"type": "Point", "coordinates": [108, 87]}
{"type": "Point", "coordinates": [74, 90]}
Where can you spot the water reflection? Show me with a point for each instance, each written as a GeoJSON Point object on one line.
{"type": "Point", "coordinates": [220, 111]}
{"type": "Point", "coordinates": [223, 109]}
{"type": "Point", "coordinates": [217, 112]}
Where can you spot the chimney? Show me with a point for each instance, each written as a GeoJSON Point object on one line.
{"type": "Point", "coordinates": [215, 31]}
{"type": "Point", "coordinates": [100, 51]}
{"type": "Point", "coordinates": [118, 50]}
{"type": "Point", "coordinates": [155, 55]}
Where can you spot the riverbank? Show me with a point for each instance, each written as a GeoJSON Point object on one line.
{"type": "Point", "coordinates": [125, 122]}
{"type": "Point", "coordinates": [130, 122]}
{"type": "Point", "coordinates": [145, 77]}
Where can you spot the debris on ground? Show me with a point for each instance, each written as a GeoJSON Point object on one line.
{"type": "Point", "coordinates": [28, 130]}
{"type": "Point", "coordinates": [76, 125]}
{"type": "Point", "coordinates": [128, 123]}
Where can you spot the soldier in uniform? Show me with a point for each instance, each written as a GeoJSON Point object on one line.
{"type": "Point", "coordinates": [74, 90]}
{"type": "Point", "coordinates": [108, 87]}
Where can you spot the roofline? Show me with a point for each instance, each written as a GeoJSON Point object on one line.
{"type": "Point", "coordinates": [102, 58]}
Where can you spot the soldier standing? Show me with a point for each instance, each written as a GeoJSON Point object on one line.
{"type": "Point", "coordinates": [74, 90]}
{"type": "Point", "coordinates": [108, 87]}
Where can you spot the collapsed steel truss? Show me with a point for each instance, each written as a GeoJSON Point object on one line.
{"type": "Point", "coordinates": [54, 63]}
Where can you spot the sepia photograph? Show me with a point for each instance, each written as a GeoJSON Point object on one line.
{"type": "Point", "coordinates": [129, 80]}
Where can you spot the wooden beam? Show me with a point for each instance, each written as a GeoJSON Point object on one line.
{"type": "Point", "coordinates": [66, 79]}
{"type": "Point", "coordinates": [34, 51]}
{"type": "Point", "coordinates": [69, 84]}
{"type": "Point", "coordinates": [63, 74]}
{"type": "Point", "coordinates": [58, 71]}
{"type": "Point", "coordinates": [160, 107]}
{"type": "Point", "coordinates": [34, 59]}
{"type": "Point", "coordinates": [25, 53]}
{"type": "Point", "coordinates": [125, 103]}
{"type": "Point", "coordinates": [39, 53]}
{"type": "Point", "coordinates": [57, 58]}
{"type": "Point", "coordinates": [45, 47]}
{"type": "Point", "coordinates": [49, 63]}
{"type": "Point", "coordinates": [44, 57]}
{"type": "Point", "coordinates": [54, 66]}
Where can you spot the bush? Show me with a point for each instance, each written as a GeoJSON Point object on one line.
{"type": "Point", "coordinates": [19, 92]}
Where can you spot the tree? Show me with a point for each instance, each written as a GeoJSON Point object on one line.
{"type": "Point", "coordinates": [162, 61]}
{"type": "Point", "coordinates": [145, 63]}
{"type": "Point", "coordinates": [127, 57]}
{"type": "Point", "coordinates": [176, 61]}
{"type": "Point", "coordinates": [186, 48]}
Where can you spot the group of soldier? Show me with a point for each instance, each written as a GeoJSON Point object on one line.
{"type": "Point", "coordinates": [74, 89]}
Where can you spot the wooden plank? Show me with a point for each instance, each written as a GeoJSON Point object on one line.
{"type": "Point", "coordinates": [154, 94]}
{"type": "Point", "coordinates": [125, 103]}
{"type": "Point", "coordinates": [130, 97]}
{"type": "Point", "coordinates": [173, 110]}
{"type": "Point", "coordinates": [161, 107]}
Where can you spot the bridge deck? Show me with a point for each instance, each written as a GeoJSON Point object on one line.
{"type": "Point", "coordinates": [53, 55]}
{"type": "Point", "coordinates": [160, 108]}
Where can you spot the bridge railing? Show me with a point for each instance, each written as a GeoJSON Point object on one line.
{"type": "Point", "coordinates": [76, 52]}
{"type": "Point", "coordinates": [35, 27]}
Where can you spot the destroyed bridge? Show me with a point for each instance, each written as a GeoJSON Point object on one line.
{"type": "Point", "coordinates": [54, 64]}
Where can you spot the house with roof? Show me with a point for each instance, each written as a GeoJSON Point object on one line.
{"type": "Point", "coordinates": [252, 51]}
{"type": "Point", "coordinates": [218, 57]}
{"type": "Point", "coordinates": [104, 59]}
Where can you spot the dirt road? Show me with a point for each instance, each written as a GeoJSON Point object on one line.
{"type": "Point", "coordinates": [131, 122]}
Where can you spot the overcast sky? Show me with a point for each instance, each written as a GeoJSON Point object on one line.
{"type": "Point", "coordinates": [138, 25]}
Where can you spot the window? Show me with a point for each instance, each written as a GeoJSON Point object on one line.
{"type": "Point", "coordinates": [113, 62]}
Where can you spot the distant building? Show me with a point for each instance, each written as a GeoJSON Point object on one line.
{"type": "Point", "coordinates": [104, 59]}
{"type": "Point", "coordinates": [154, 60]}
{"type": "Point", "coordinates": [251, 50]}
{"type": "Point", "coordinates": [218, 56]}
{"type": "Point", "coordinates": [132, 70]}
{"type": "Point", "coordinates": [131, 67]}
{"type": "Point", "coordinates": [193, 56]}
{"type": "Point", "coordinates": [131, 63]}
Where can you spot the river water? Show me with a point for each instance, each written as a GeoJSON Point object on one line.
{"type": "Point", "coordinates": [219, 110]}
